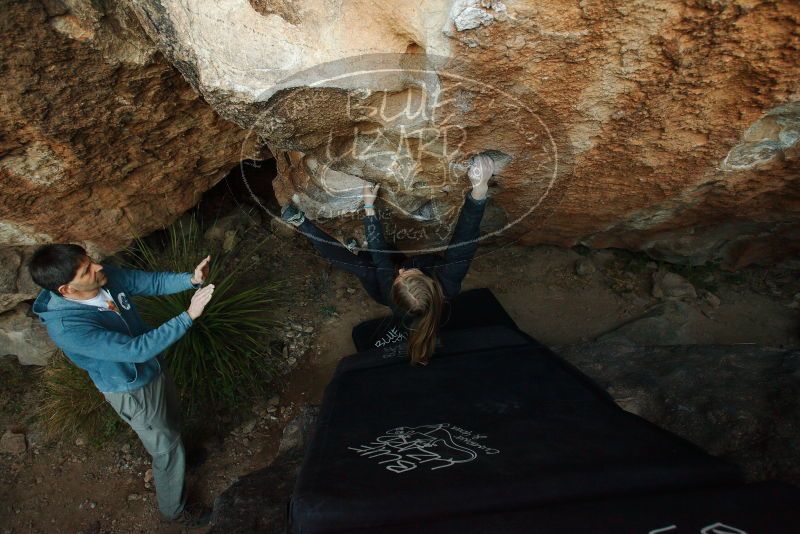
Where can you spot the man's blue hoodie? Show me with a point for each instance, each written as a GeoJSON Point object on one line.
{"type": "Point", "coordinates": [118, 350]}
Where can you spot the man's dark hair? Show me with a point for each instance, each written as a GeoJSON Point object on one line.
{"type": "Point", "coordinates": [55, 265]}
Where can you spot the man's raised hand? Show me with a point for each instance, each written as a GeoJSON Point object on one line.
{"type": "Point", "coordinates": [199, 301]}
{"type": "Point", "coordinates": [201, 271]}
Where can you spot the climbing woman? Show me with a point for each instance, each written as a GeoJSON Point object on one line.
{"type": "Point", "coordinates": [417, 290]}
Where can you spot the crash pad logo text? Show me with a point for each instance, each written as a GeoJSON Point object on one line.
{"type": "Point", "coordinates": [437, 446]}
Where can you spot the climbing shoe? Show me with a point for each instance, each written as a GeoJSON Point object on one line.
{"type": "Point", "coordinates": [352, 245]}
{"type": "Point", "coordinates": [291, 214]}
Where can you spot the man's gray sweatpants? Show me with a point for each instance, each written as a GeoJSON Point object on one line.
{"type": "Point", "coordinates": [153, 412]}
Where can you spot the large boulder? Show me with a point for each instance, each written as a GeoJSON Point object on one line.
{"type": "Point", "coordinates": [667, 126]}
{"type": "Point", "coordinates": [741, 402]}
{"type": "Point", "coordinates": [100, 138]}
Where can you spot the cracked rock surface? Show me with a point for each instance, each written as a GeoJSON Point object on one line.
{"type": "Point", "coordinates": [668, 126]}
{"type": "Point", "coordinates": [665, 126]}
{"type": "Point", "coordinates": [100, 138]}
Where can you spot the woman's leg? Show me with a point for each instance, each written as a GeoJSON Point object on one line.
{"type": "Point", "coordinates": [372, 286]}
{"type": "Point", "coordinates": [333, 251]}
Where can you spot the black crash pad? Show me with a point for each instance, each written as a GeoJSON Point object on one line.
{"type": "Point", "coordinates": [496, 423]}
{"type": "Point", "coordinates": [765, 507]}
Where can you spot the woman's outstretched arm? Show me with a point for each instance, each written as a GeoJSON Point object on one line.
{"type": "Point", "coordinates": [376, 242]}
{"type": "Point", "coordinates": [464, 241]}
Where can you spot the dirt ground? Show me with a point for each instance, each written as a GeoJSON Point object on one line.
{"type": "Point", "coordinates": [75, 487]}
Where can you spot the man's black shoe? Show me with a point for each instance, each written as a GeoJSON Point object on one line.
{"type": "Point", "coordinates": [195, 457]}
{"type": "Point", "coordinates": [194, 515]}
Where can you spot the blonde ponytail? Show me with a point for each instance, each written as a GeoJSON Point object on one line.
{"type": "Point", "coordinates": [421, 299]}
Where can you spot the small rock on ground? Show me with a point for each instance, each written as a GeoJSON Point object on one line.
{"type": "Point", "coordinates": [710, 298]}
{"type": "Point", "coordinates": [668, 285]}
{"type": "Point", "coordinates": [584, 267]}
{"type": "Point", "coordinates": [13, 443]}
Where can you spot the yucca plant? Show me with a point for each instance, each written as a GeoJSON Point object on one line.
{"type": "Point", "coordinates": [224, 359]}
{"type": "Point", "coordinates": [72, 406]}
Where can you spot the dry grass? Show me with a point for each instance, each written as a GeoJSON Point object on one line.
{"type": "Point", "coordinates": [72, 406]}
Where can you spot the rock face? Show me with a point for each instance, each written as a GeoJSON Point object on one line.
{"type": "Point", "coordinates": [100, 138]}
{"type": "Point", "coordinates": [23, 335]}
{"type": "Point", "coordinates": [669, 126]}
{"type": "Point", "coordinates": [740, 402]}
{"type": "Point", "coordinates": [668, 323]}
{"type": "Point", "coordinates": [257, 501]}
{"type": "Point", "coordinates": [15, 281]}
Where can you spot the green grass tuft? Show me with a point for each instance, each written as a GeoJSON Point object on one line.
{"type": "Point", "coordinates": [224, 360]}
{"type": "Point", "coordinates": [72, 406]}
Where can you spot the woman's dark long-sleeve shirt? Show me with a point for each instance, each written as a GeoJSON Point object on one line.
{"type": "Point", "coordinates": [449, 270]}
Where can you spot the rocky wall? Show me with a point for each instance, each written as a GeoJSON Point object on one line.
{"type": "Point", "coordinates": [669, 126]}
{"type": "Point", "coordinates": [100, 138]}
